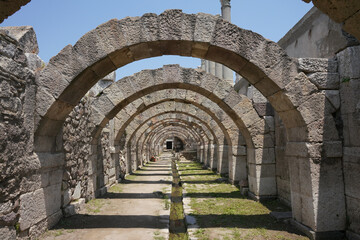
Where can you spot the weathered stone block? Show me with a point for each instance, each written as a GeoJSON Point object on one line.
{"type": "Point", "coordinates": [349, 92]}
{"type": "Point", "coordinates": [37, 205]}
{"type": "Point", "coordinates": [353, 213]}
{"type": "Point", "coordinates": [26, 36]}
{"type": "Point", "coordinates": [352, 155]}
{"type": "Point", "coordinates": [349, 62]}
{"type": "Point", "coordinates": [7, 233]}
{"type": "Point", "coordinates": [311, 65]}
{"type": "Point", "coordinates": [352, 179]}
{"type": "Point", "coordinates": [51, 160]}
{"type": "Point", "coordinates": [334, 98]}
{"type": "Point", "coordinates": [324, 80]}
{"type": "Point", "coordinates": [333, 149]}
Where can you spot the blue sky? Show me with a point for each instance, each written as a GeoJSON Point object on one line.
{"type": "Point", "coordinates": [61, 22]}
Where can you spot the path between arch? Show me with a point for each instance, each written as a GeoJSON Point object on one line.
{"type": "Point", "coordinates": [134, 209]}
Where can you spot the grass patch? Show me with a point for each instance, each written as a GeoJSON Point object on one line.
{"type": "Point", "coordinates": [223, 213]}
{"type": "Point", "coordinates": [178, 236]}
{"type": "Point", "coordinates": [95, 205]}
{"type": "Point", "coordinates": [116, 188]}
{"type": "Point", "coordinates": [130, 177]}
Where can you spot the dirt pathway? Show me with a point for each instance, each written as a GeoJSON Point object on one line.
{"type": "Point", "coordinates": [134, 209]}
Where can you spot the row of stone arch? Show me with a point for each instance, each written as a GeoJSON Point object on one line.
{"type": "Point", "coordinates": [232, 134]}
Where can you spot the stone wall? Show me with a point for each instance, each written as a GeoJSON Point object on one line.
{"type": "Point", "coordinates": [317, 36]}
{"type": "Point", "coordinates": [349, 71]}
{"type": "Point", "coordinates": [77, 147]}
{"type": "Point", "coordinates": [18, 165]}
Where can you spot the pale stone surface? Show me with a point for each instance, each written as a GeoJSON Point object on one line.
{"type": "Point", "coordinates": [324, 80]}
{"type": "Point", "coordinates": [312, 65]}
{"type": "Point", "coordinates": [349, 60]}
{"type": "Point", "coordinates": [77, 192]}
{"type": "Point", "coordinates": [7, 233]}
{"type": "Point", "coordinates": [37, 205]}
{"type": "Point", "coordinates": [26, 36]}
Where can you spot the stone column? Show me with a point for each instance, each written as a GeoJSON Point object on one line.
{"type": "Point", "coordinates": [219, 70]}
{"type": "Point", "coordinates": [212, 67]}
{"type": "Point", "coordinates": [226, 14]}
{"type": "Point", "coordinates": [203, 64]}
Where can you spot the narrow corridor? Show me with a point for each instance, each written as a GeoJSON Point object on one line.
{"type": "Point", "coordinates": [136, 208]}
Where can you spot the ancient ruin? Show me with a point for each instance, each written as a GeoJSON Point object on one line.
{"type": "Point", "coordinates": [288, 129]}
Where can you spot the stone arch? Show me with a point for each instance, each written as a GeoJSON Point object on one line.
{"type": "Point", "coordinates": [195, 109]}
{"type": "Point", "coordinates": [140, 139]}
{"type": "Point", "coordinates": [161, 135]}
{"type": "Point", "coordinates": [135, 161]}
{"type": "Point", "coordinates": [262, 62]}
{"type": "Point", "coordinates": [147, 125]}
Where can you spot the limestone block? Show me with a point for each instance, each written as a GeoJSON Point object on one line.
{"type": "Point", "coordinates": [300, 89]}
{"type": "Point", "coordinates": [352, 179]}
{"type": "Point", "coordinates": [351, 130]}
{"type": "Point", "coordinates": [353, 213]}
{"type": "Point", "coordinates": [283, 189]}
{"type": "Point", "coordinates": [311, 65]}
{"type": "Point", "coordinates": [303, 149]}
{"type": "Point", "coordinates": [9, 47]}
{"type": "Point", "coordinates": [6, 207]}
{"type": "Point", "coordinates": [334, 98]}
{"type": "Point", "coordinates": [257, 97]}
{"type": "Point", "coordinates": [51, 160]}
{"type": "Point", "coordinates": [333, 149]}
{"type": "Point", "coordinates": [270, 122]}
{"type": "Point", "coordinates": [263, 171]}
{"type": "Point", "coordinates": [349, 92]}
{"type": "Point", "coordinates": [36, 206]}
{"type": "Point", "coordinates": [263, 156]}
{"type": "Point", "coordinates": [69, 211]}
{"type": "Point", "coordinates": [349, 62]}
{"type": "Point", "coordinates": [352, 155]}
{"type": "Point", "coordinates": [35, 63]}
{"type": "Point", "coordinates": [239, 150]}
{"type": "Point", "coordinates": [77, 192]}
{"type": "Point", "coordinates": [7, 233]}
{"type": "Point", "coordinates": [26, 36]}
{"type": "Point", "coordinates": [324, 80]}
{"type": "Point", "coordinates": [34, 182]}
{"type": "Point", "coordinates": [44, 100]}
{"type": "Point", "coordinates": [204, 27]}
{"type": "Point", "coordinates": [66, 197]}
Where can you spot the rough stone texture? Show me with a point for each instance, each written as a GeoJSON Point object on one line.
{"type": "Point", "coordinates": [316, 35]}
{"type": "Point", "coordinates": [308, 105]}
{"type": "Point", "coordinates": [38, 205]}
{"type": "Point", "coordinates": [349, 60]}
{"type": "Point", "coordinates": [17, 94]}
{"type": "Point", "coordinates": [77, 146]}
{"type": "Point", "coordinates": [7, 233]}
{"type": "Point", "coordinates": [26, 37]}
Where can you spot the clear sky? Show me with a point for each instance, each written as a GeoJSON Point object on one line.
{"type": "Point", "coordinates": [58, 23]}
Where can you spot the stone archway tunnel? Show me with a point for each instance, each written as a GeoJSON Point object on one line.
{"type": "Point", "coordinates": [80, 144]}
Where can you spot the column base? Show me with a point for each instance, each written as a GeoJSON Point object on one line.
{"type": "Point", "coordinates": [328, 235]}
{"type": "Point", "coordinates": [261, 198]}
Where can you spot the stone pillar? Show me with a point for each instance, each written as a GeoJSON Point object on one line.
{"type": "Point", "coordinates": [207, 66]}
{"type": "Point", "coordinates": [212, 67]}
{"type": "Point", "coordinates": [218, 70]}
{"type": "Point", "coordinates": [203, 64]}
{"type": "Point", "coordinates": [226, 14]}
